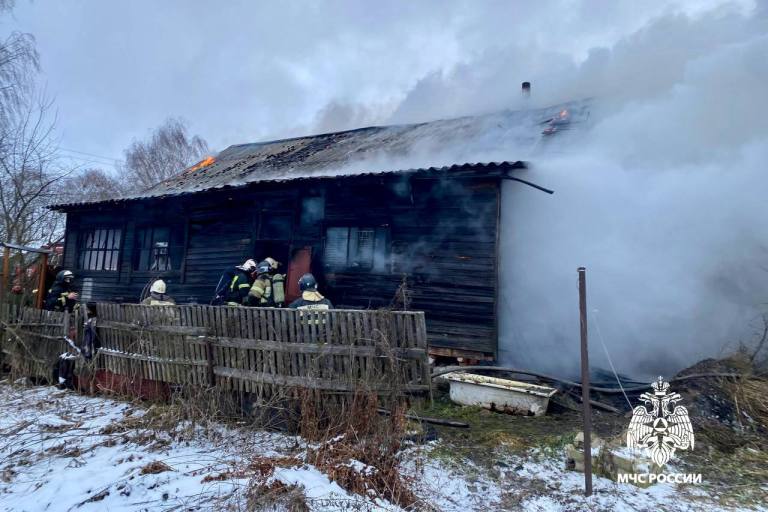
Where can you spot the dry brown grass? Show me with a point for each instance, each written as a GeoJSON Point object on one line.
{"type": "Point", "coordinates": [275, 495]}
{"type": "Point", "coordinates": [359, 449]}
{"type": "Point", "coordinates": [750, 396]}
{"type": "Point", "coordinates": [155, 467]}
{"type": "Point", "coordinates": [260, 468]}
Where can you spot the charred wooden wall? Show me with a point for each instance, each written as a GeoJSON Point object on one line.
{"type": "Point", "coordinates": [441, 238]}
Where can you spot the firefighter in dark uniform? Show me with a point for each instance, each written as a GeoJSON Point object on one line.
{"type": "Point", "coordinates": [61, 296]}
{"type": "Point", "coordinates": [268, 289]}
{"type": "Point", "coordinates": [310, 297]}
{"type": "Point", "coordinates": [234, 285]}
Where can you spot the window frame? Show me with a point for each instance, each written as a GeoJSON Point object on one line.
{"type": "Point", "coordinates": [91, 236]}
{"type": "Point", "coordinates": [352, 258]}
{"type": "Point", "coordinates": [139, 247]}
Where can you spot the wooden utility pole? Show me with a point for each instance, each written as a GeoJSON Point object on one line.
{"type": "Point", "coordinates": [41, 292]}
{"type": "Point", "coordinates": [585, 382]}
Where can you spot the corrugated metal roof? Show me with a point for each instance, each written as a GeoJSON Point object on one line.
{"type": "Point", "coordinates": [432, 147]}
{"type": "Point", "coordinates": [468, 169]}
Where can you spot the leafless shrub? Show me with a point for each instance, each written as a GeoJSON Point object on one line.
{"type": "Point", "coordinates": [275, 495]}
{"type": "Point", "coordinates": [757, 355]}
{"type": "Point", "coordinates": [361, 450]}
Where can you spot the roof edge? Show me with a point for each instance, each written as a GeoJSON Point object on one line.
{"type": "Point", "coordinates": [506, 165]}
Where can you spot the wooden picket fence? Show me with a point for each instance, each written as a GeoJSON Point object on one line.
{"type": "Point", "coordinates": [263, 351]}
{"type": "Point", "coordinates": [33, 339]}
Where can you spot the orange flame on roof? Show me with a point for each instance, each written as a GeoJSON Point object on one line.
{"type": "Point", "coordinates": [205, 162]}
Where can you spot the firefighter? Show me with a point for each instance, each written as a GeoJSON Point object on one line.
{"type": "Point", "coordinates": [310, 297]}
{"type": "Point", "coordinates": [61, 296]}
{"type": "Point", "coordinates": [234, 285]}
{"type": "Point", "coordinates": [157, 296]}
{"type": "Point", "coordinates": [268, 289]}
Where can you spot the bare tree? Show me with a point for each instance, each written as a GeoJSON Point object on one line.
{"type": "Point", "coordinates": [29, 177]}
{"type": "Point", "coordinates": [28, 172]}
{"type": "Point", "coordinates": [19, 63]}
{"type": "Point", "coordinates": [167, 152]}
{"type": "Point", "coordinates": [91, 185]}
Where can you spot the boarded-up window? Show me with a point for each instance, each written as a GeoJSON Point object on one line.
{"type": "Point", "coordinates": [356, 248]}
{"type": "Point", "coordinates": [99, 249]}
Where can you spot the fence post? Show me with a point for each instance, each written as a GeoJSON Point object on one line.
{"type": "Point", "coordinates": [586, 405]}
{"type": "Point", "coordinates": [66, 324]}
{"type": "Point", "coordinates": [209, 354]}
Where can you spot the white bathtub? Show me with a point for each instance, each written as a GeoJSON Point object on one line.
{"type": "Point", "coordinates": [503, 395]}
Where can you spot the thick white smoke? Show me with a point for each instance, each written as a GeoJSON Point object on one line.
{"type": "Point", "coordinates": [662, 194]}
{"type": "Point", "coordinates": [664, 200]}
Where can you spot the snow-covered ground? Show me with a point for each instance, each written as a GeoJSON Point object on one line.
{"type": "Point", "coordinates": [61, 451]}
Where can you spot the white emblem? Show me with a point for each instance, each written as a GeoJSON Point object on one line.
{"type": "Point", "coordinates": [661, 431]}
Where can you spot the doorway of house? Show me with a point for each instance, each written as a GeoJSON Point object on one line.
{"type": "Point", "coordinates": [294, 262]}
{"type": "Point", "coordinates": [300, 264]}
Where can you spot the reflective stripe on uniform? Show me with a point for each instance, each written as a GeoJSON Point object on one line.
{"type": "Point", "coordinates": [259, 289]}
{"type": "Point", "coordinates": [313, 310]}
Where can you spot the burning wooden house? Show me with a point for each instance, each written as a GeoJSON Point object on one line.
{"type": "Point", "coordinates": [374, 234]}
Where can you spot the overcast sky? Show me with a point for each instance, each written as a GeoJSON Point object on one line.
{"type": "Point", "coordinates": [243, 71]}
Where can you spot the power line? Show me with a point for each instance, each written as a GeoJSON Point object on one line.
{"type": "Point", "coordinates": [88, 161]}
{"type": "Point", "coordinates": [90, 154]}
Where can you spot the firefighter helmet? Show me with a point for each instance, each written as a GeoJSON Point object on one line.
{"type": "Point", "coordinates": [272, 263]}
{"type": "Point", "coordinates": [65, 276]}
{"type": "Point", "coordinates": [264, 267]}
{"type": "Point", "coordinates": [158, 287]}
{"type": "Point", "coordinates": [307, 283]}
{"type": "Point", "coordinates": [249, 266]}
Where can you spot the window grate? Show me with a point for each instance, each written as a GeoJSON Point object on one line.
{"type": "Point", "coordinates": [356, 248]}
{"type": "Point", "coordinates": [152, 249]}
{"type": "Point", "coordinates": [99, 249]}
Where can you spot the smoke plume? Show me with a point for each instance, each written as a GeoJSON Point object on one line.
{"type": "Point", "coordinates": [663, 199]}
{"type": "Point", "coordinates": [661, 194]}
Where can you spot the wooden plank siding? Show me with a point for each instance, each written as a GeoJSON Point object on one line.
{"type": "Point", "coordinates": [442, 237]}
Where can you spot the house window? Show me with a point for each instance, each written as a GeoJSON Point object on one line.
{"type": "Point", "coordinates": [356, 248]}
{"type": "Point", "coordinates": [99, 249]}
{"type": "Point", "coordinates": [152, 249]}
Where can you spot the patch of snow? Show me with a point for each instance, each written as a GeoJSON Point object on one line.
{"type": "Point", "coordinates": [322, 494]}
{"type": "Point", "coordinates": [60, 451]}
